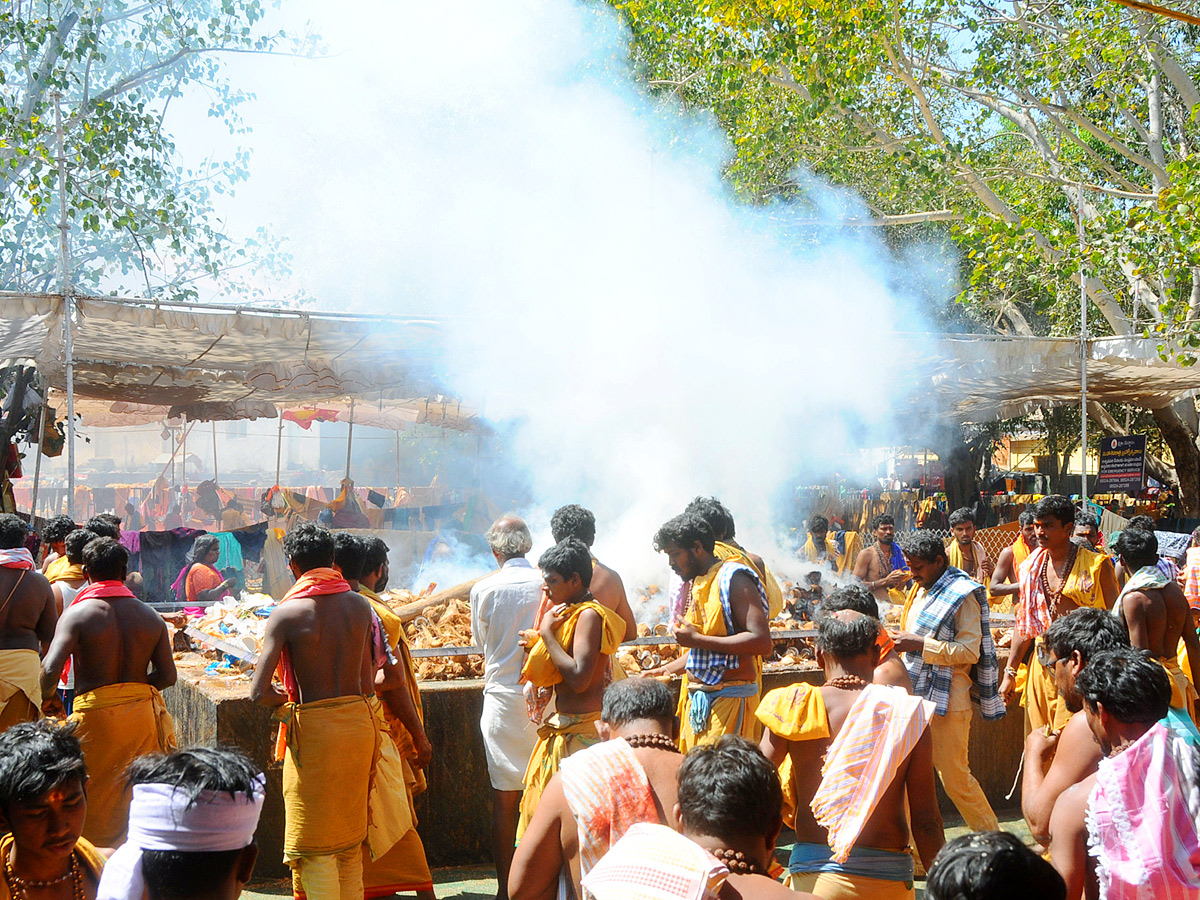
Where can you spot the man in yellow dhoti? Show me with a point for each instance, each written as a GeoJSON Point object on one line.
{"type": "Point", "coordinates": [724, 629]}
{"type": "Point", "coordinates": [574, 637]}
{"type": "Point", "coordinates": [1058, 577]}
{"type": "Point", "coordinates": [122, 659]}
{"type": "Point", "coordinates": [1155, 612]}
{"type": "Point", "coordinates": [320, 637]}
{"type": "Point", "coordinates": [27, 619]}
{"type": "Point", "coordinates": [720, 520]}
{"type": "Point", "coordinates": [404, 868]}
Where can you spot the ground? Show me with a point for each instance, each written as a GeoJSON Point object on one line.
{"type": "Point", "coordinates": [479, 882]}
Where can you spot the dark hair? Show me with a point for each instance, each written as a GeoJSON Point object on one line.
{"type": "Point", "coordinates": [36, 757]}
{"type": "Point", "coordinates": [849, 596]}
{"type": "Point", "coordinates": [105, 560]}
{"type": "Point", "coordinates": [1130, 684]}
{"type": "Point", "coordinates": [104, 526]}
{"type": "Point", "coordinates": [1086, 631]}
{"type": "Point", "coordinates": [567, 558]}
{"type": "Point", "coordinates": [728, 789]}
{"type": "Point", "coordinates": [1026, 518]}
{"type": "Point", "coordinates": [57, 529]}
{"type": "Point", "coordinates": [1055, 506]}
{"type": "Point", "coordinates": [684, 531]}
{"type": "Point", "coordinates": [349, 555]}
{"type": "Point", "coordinates": [713, 511]}
{"type": "Point", "coordinates": [376, 553]}
{"type": "Point", "coordinates": [817, 524]}
{"type": "Point", "coordinates": [74, 544]}
{"type": "Point", "coordinates": [574, 521]}
{"type": "Point", "coordinates": [882, 519]}
{"type": "Point", "coordinates": [631, 699]}
{"type": "Point", "coordinates": [847, 639]}
{"type": "Point", "coordinates": [178, 873]}
{"type": "Point", "coordinates": [1087, 520]}
{"type": "Point", "coordinates": [309, 546]}
{"type": "Point", "coordinates": [13, 531]}
{"type": "Point", "coordinates": [924, 545]}
{"type": "Point", "coordinates": [961, 516]}
{"type": "Point", "coordinates": [991, 865]}
{"type": "Point", "coordinates": [1144, 523]}
{"type": "Point", "coordinates": [1138, 547]}
{"type": "Point", "coordinates": [203, 545]}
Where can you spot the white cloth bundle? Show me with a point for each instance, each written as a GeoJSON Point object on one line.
{"type": "Point", "coordinates": [163, 817]}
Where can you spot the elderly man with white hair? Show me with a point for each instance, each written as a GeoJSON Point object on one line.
{"type": "Point", "coordinates": [502, 605]}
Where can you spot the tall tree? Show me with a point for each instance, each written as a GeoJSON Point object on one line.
{"type": "Point", "coordinates": [1055, 141]}
{"type": "Point", "coordinates": [142, 222]}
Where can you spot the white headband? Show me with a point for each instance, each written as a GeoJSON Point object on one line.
{"type": "Point", "coordinates": [163, 817]}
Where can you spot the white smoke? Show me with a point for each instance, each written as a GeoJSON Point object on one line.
{"type": "Point", "coordinates": [640, 335]}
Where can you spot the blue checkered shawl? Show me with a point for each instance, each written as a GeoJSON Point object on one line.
{"type": "Point", "coordinates": [707, 666]}
{"type": "Point", "coordinates": [937, 620]}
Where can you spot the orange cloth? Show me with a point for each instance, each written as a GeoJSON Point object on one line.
{"type": "Point", "coordinates": [884, 643]}
{"type": "Point", "coordinates": [201, 577]}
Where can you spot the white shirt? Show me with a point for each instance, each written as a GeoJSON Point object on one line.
{"type": "Point", "coordinates": [501, 605]}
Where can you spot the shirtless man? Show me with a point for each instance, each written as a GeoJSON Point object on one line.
{"type": "Point", "coordinates": [728, 670]}
{"type": "Point", "coordinates": [1055, 761]}
{"type": "Point", "coordinates": [882, 568]}
{"type": "Point", "coordinates": [890, 668]}
{"type": "Point", "coordinates": [830, 853]}
{"type": "Point", "coordinates": [54, 534]}
{"type": "Point", "coordinates": [1156, 613]}
{"type": "Point", "coordinates": [320, 637]}
{"type": "Point", "coordinates": [574, 637]}
{"type": "Point", "coordinates": [1004, 578]}
{"type": "Point", "coordinates": [574, 521]}
{"type": "Point", "coordinates": [27, 619]}
{"type": "Point", "coordinates": [629, 777]}
{"type": "Point", "coordinates": [121, 657]}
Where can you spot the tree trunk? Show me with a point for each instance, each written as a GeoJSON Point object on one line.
{"type": "Point", "coordinates": [1182, 441]}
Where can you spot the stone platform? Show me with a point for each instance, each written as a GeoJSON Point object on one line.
{"type": "Point", "coordinates": [455, 812]}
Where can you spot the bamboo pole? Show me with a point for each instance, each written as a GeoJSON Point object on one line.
{"type": "Point", "coordinates": [216, 477]}
{"type": "Point", "coordinates": [350, 438]}
{"type": "Point", "coordinates": [37, 465]}
{"type": "Point", "coordinates": [64, 249]}
{"type": "Point", "coordinates": [279, 448]}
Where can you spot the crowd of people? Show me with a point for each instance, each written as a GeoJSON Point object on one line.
{"type": "Point", "coordinates": [611, 786]}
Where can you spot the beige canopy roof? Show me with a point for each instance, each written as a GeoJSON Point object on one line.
{"type": "Point", "coordinates": [145, 360]}
{"type": "Point", "coordinates": [978, 378]}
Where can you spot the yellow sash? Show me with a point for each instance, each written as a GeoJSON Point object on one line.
{"type": "Point", "coordinates": [539, 668]}
{"type": "Point", "coordinates": [725, 551]}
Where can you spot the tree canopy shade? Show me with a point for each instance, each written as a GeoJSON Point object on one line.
{"type": "Point", "coordinates": [1055, 142]}
{"type": "Point", "coordinates": [141, 222]}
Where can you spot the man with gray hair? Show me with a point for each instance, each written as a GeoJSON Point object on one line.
{"type": "Point", "coordinates": [502, 605]}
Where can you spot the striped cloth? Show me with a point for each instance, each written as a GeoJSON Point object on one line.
{"type": "Point", "coordinates": [1191, 580]}
{"type": "Point", "coordinates": [937, 619]}
{"type": "Point", "coordinates": [654, 862]}
{"type": "Point", "coordinates": [708, 666]}
{"type": "Point", "coordinates": [1033, 612]}
{"type": "Point", "coordinates": [1143, 820]}
{"type": "Point", "coordinates": [607, 791]}
{"type": "Point", "coordinates": [879, 733]}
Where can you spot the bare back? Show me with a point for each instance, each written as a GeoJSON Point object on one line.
{"type": "Point", "coordinates": [609, 591]}
{"type": "Point", "coordinates": [1156, 618]}
{"type": "Point", "coordinates": [887, 828]}
{"type": "Point", "coordinates": [114, 640]}
{"type": "Point", "coordinates": [27, 610]}
{"type": "Point", "coordinates": [328, 642]}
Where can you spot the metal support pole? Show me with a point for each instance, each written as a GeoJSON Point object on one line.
{"type": "Point", "coordinates": [216, 477]}
{"type": "Point", "coordinates": [278, 448]}
{"type": "Point", "coordinates": [397, 463]}
{"type": "Point", "coordinates": [183, 452]}
{"type": "Point", "coordinates": [350, 437]}
{"type": "Point", "coordinates": [37, 465]}
{"type": "Point", "coordinates": [64, 248]}
{"type": "Point", "coordinates": [1083, 354]}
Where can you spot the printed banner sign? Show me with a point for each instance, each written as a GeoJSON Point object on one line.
{"type": "Point", "coordinates": [1122, 465]}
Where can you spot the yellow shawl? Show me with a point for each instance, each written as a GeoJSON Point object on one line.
{"type": "Point", "coordinates": [725, 551]}
{"type": "Point", "coordinates": [539, 668]}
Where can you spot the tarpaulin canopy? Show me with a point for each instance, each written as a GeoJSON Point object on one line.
{"type": "Point", "coordinates": [978, 378]}
{"type": "Point", "coordinates": [146, 360]}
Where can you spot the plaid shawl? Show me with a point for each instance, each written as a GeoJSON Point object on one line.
{"type": "Point", "coordinates": [937, 620]}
